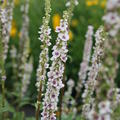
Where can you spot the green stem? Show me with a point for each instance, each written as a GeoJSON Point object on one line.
{"type": "Point", "coordinates": [3, 93]}
{"type": "Point", "coordinates": [61, 97]}
{"type": "Point", "coordinates": [38, 101]}
{"type": "Point", "coordinates": [67, 15]}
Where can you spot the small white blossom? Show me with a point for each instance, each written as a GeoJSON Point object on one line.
{"type": "Point", "coordinates": [112, 4]}
{"type": "Point", "coordinates": [75, 1]}
{"type": "Point", "coordinates": [111, 18]}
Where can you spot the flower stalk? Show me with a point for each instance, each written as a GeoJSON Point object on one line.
{"type": "Point", "coordinates": [84, 66]}
{"type": "Point", "coordinates": [57, 68]}
{"type": "Point", "coordinates": [94, 70]}
{"type": "Point", "coordinates": [70, 4]}
{"type": "Point", "coordinates": [2, 60]}
{"type": "Point", "coordinates": [43, 58]}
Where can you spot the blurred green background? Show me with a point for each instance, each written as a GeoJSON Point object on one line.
{"type": "Point", "coordinates": [88, 12]}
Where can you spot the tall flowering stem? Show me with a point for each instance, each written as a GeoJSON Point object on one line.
{"type": "Point", "coordinates": [23, 52]}
{"type": "Point", "coordinates": [112, 26]}
{"type": "Point", "coordinates": [8, 14]}
{"type": "Point", "coordinates": [109, 68]}
{"type": "Point", "coordinates": [25, 68]}
{"type": "Point", "coordinates": [43, 58]}
{"type": "Point", "coordinates": [84, 66]}
{"type": "Point", "coordinates": [70, 4]}
{"type": "Point", "coordinates": [26, 76]}
{"type": "Point", "coordinates": [5, 23]}
{"type": "Point", "coordinates": [2, 62]}
{"type": "Point", "coordinates": [56, 73]}
{"type": "Point", "coordinates": [94, 70]}
{"type": "Point", "coordinates": [68, 100]}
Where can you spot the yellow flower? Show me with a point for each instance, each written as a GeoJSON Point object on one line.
{"type": "Point", "coordinates": [74, 23]}
{"type": "Point", "coordinates": [95, 2]}
{"type": "Point", "coordinates": [91, 2]}
{"type": "Point", "coordinates": [103, 4]}
{"type": "Point", "coordinates": [13, 31]}
{"type": "Point", "coordinates": [16, 2]}
{"type": "Point", "coordinates": [56, 20]}
{"type": "Point", "coordinates": [70, 35]}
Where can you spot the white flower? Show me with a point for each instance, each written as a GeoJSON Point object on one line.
{"type": "Point", "coordinates": [104, 107]}
{"type": "Point", "coordinates": [111, 4]}
{"type": "Point", "coordinates": [71, 82]}
{"type": "Point", "coordinates": [64, 36]}
{"type": "Point", "coordinates": [111, 18]}
{"type": "Point", "coordinates": [68, 3]}
{"type": "Point", "coordinates": [56, 54]}
{"type": "Point", "coordinates": [58, 29]}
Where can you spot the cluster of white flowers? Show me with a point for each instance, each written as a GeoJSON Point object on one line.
{"type": "Point", "coordinates": [10, 7]}
{"type": "Point", "coordinates": [117, 90]}
{"type": "Point", "coordinates": [43, 58]}
{"type": "Point", "coordinates": [113, 95]}
{"type": "Point", "coordinates": [112, 24]}
{"type": "Point", "coordinates": [68, 3]}
{"type": "Point", "coordinates": [24, 46]}
{"type": "Point", "coordinates": [67, 96]}
{"type": "Point", "coordinates": [13, 52]}
{"type": "Point", "coordinates": [112, 17]}
{"type": "Point", "coordinates": [55, 75]}
{"type": "Point", "coordinates": [84, 66]}
{"type": "Point", "coordinates": [113, 4]}
{"type": "Point", "coordinates": [45, 37]}
{"type": "Point", "coordinates": [25, 64]}
{"type": "Point", "coordinates": [110, 65]}
{"type": "Point", "coordinates": [68, 100]}
{"type": "Point", "coordinates": [70, 85]}
{"type": "Point", "coordinates": [6, 18]}
{"type": "Point", "coordinates": [104, 112]}
{"type": "Point", "coordinates": [3, 33]}
{"type": "Point", "coordinates": [26, 77]}
{"type": "Point", "coordinates": [94, 69]}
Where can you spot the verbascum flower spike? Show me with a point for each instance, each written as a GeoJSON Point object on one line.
{"type": "Point", "coordinates": [68, 100]}
{"type": "Point", "coordinates": [8, 14]}
{"type": "Point", "coordinates": [4, 31]}
{"type": "Point", "coordinates": [84, 66]}
{"type": "Point", "coordinates": [105, 110]}
{"type": "Point", "coordinates": [26, 76]}
{"type": "Point", "coordinates": [24, 43]}
{"type": "Point", "coordinates": [112, 26]}
{"type": "Point", "coordinates": [110, 66]}
{"type": "Point", "coordinates": [55, 75]}
{"type": "Point", "coordinates": [45, 37]}
{"type": "Point", "coordinates": [2, 56]}
{"type": "Point", "coordinates": [94, 70]}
